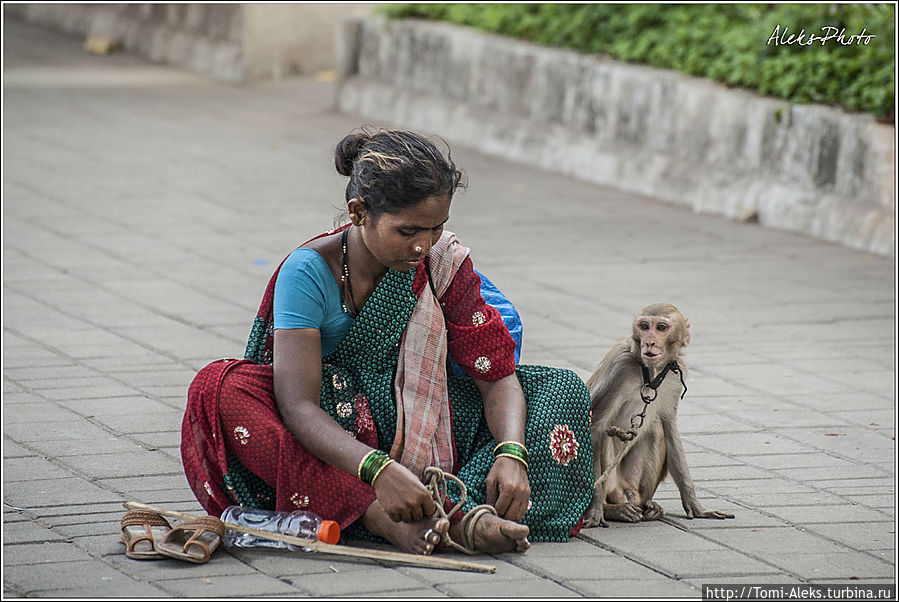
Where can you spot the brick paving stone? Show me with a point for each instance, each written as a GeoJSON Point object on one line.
{"type": "Point", "coordinates": [16, 470]}
{"type": "Point", "coordinates": [41, 553]}
{"type": "Point", "coordinates": [106, 466]}
{"type": "Point", "coordinates": [115, 406]}
{"type": "Point", "coordinates": [220, 564]}
{"type": "Point", "coordinates": [861, 536]}
{"type": "Point", "coordinates": [851, 471]}
{"type": "Point", "coordinates": [137, 422]}
{"type": "Point", "coordinates": [113, 389]}
{"type": "Point", "coordinates": [409, 594]}
{"type": "Point", "coordinates": [139, 483]}
{"type": "Point", "coordinates": [801, 460]}
{"type": "Point", "coordinates": [784, 539]}
{"type": "Point", "coordinates": [735, 443]}
{"type": "Point", "coordinates": [42, 385]}
{"type": "Point", "coordinates": [831, 566]}
{"type": "Point", "coordinates": [47, 373]}
{"type": "Point", "coordinates": [14, 450]}
{"type": "Point", "coordinates": [727, 473]}
{"type": "Point", "coordinates": [35, 411]}
{"type": "Point", "coordinates": [357, 583]}
{"type": "Point", "coordinates": [532, 588]}
{"type": "Point", "coordinates": [285, 563]}
{"type": "Point", "coordinates": [64, 448]}
{"type": "Point", "coordinates": [578, 546]}
{"type": "Point", "coordinates": [881, 502]}
{"type": "Point", "coordinates": [54, 492]}
{"type": "Point", "coordinates": [628, 537]}
{"type": "Point", "coordinates": [227, 586]}
{"type": "Point", "coordinates": [624, 588]}
{"type": "Point", "coordinates": [73, 576]}
{"type": "Point", "coordinates": [826, 514]}
{"type": "Point", "coordinates": [27, 531]}
{"type": "Point", "coordinates": [123, 588]}
{"type": "Point", "coordinates": [166, 440]}
{"type": "Point", "coordinates": [508, 570]}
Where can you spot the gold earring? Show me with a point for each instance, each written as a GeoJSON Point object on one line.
{"type": "Point", "coordinates": [362, 222]}
{"type": "Point", "coordinates": [352, 216]}
{"type": "Point", "coordinates": [418, 249]}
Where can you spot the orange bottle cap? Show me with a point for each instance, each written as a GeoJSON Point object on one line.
{"type": "Point", "coordinates": [329, 532]}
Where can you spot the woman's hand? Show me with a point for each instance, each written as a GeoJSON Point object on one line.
{"type": "Point", "coordinates": [402, 496]}
{"type": "Point", "coordinates": [508, 489]}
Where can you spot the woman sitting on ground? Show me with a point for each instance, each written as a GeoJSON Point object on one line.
{"type": "Point", "coordinates": [346, 371]}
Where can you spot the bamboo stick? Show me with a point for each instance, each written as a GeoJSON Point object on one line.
{"type": "Point", "coordinates": [433, 562]}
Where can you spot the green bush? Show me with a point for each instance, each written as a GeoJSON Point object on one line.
{"type": "Point", "coordinates": [728, 43]}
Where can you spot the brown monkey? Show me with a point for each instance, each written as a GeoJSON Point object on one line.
{"type": "Point", "coordinates": [634, 393]}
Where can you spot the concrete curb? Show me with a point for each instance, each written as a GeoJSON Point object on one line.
{"type": "Point", "coordinates": [803, 168]}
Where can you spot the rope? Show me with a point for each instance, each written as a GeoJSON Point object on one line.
{"type": "Point", "coordinates": [436, 479]}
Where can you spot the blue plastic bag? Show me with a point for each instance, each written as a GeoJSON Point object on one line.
{"type": "Point", "coordinates": [493, 296]}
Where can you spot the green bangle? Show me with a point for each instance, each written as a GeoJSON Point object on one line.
{"type": "Point", "coordinates": [512, 443]}
{"type": "Point", "coordinates": [511, 449]}
{"type": "Point", "coordinates": [514, 457]}
{"type": "Point", "coordinates": [371, 465]}
{"type": "Point", "coordinates": [382, 467]}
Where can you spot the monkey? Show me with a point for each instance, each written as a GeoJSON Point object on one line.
{"type": "Point", "coordinates": [634, 393]}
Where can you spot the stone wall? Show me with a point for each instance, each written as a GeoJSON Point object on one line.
{"type": "Point", "coordinates": [805, 168]}
{"type": "Point", "coordinates": [230, 42]}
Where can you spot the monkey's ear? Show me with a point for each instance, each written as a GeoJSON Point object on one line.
{"type": "Point", "coordinates": [687, 336]}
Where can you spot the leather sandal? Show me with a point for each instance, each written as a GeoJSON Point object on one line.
{"type": "Point", "coordinates": [194, 540]}
{"type": "Point", "coordinates": [142, 532]}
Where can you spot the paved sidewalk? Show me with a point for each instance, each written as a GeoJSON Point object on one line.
{"type": "Point", "coordinates": [144, 209]}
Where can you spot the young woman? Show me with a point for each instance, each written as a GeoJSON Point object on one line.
{"type": "Point", "coordinates": [344, 400]}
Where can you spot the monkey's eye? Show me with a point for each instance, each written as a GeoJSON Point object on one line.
{"type": "Point", "coordinates": [662, 327]}
{"type": "Point", "coordinates": [643, 326]}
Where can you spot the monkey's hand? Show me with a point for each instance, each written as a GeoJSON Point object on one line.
{"type": "Point", "coordinates": [698, 512]}
{"type": "Point", "coordinates": [626, 513]}
{"type": "Point", "coordinates": [508, 489]}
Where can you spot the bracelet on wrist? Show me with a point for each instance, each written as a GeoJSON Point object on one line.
{"type": "Point", "coordinates": [371, 466]}
{"type": "Point", "coordinates": [512, 443]}
{"type": "Point", "coordinates": [514, 457]}
{"type": "Point", "coordinates": [512, 449]}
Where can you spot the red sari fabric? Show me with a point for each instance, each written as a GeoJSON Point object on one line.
{"type": "Point", "coordinates": [231, 412]}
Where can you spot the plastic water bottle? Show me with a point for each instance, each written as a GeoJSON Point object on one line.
{"type": "Point", "coordinates": [299, 523]}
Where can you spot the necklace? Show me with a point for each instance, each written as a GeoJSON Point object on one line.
{"type": "Point", "coordinates": [345, 285]}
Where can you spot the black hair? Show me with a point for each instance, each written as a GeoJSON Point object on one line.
{"type": "Point", "coordinates": [391, 170]}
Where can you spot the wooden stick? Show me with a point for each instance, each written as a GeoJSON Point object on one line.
{"type": "Point", "coordinates": [433, 562]}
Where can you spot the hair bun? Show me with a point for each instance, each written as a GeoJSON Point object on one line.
{"type": "Point", "coordinates": [347, 150]}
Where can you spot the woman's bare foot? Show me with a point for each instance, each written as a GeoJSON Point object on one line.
{"type": "Point", "coordinates": [407, 537]}
{"type": "Point", "coordinates": [493, 535]}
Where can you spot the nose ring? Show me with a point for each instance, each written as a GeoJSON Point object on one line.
{"type": "Point", "coordinates": [418, 249]}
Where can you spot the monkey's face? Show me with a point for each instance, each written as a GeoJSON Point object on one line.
{"type": "Point", "coordinates": [656, 338]}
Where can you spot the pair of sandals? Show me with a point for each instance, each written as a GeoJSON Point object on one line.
{"type": "Point", "coordinates": [148, 536]}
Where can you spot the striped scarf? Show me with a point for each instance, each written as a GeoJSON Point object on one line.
{"type": "Point", "coordinates": [423, 426]}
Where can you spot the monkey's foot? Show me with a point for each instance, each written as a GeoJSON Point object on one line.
{"type": "Point", "coordinates": [625, 513]}
{"type": "Point", "coordinates": [491, 534]}
{"type": "Point", "coordinates": [652, 511]}
{"type": "Point", "coordinates": [593, 518]}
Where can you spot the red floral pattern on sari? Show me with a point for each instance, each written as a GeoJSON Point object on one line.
{"type": "Point", "coordinates": [563, 444]}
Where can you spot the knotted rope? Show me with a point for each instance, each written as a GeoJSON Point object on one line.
{"type": "Point", "coordinates": [436, 480]}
